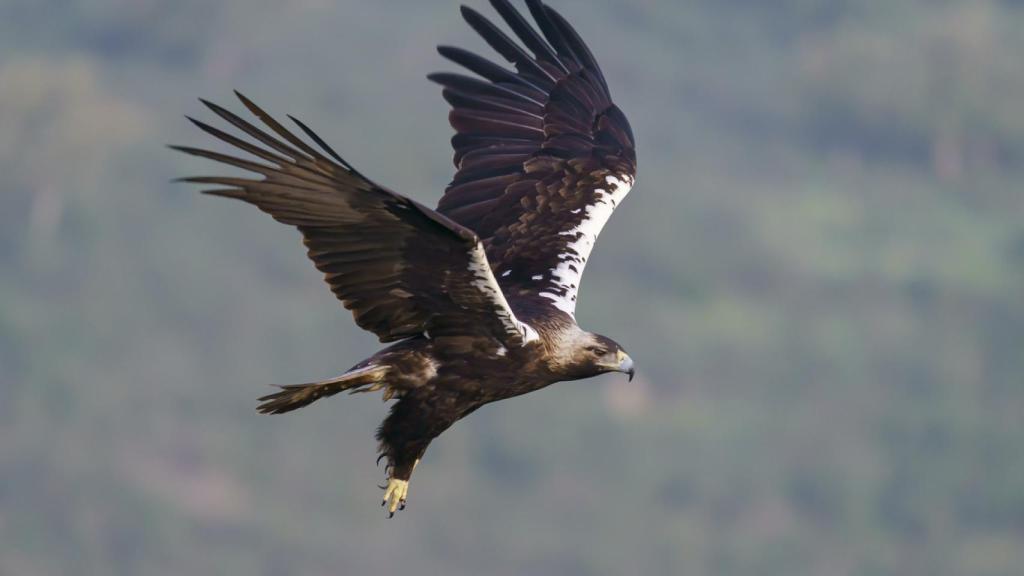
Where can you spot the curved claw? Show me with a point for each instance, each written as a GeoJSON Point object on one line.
{"type": "Point", "coordinates": [395, 495]}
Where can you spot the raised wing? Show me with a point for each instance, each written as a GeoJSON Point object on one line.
{"type": "Point", "coordinates": [543, 155]}
{"type": "Point", "coordinates": [400, 267]}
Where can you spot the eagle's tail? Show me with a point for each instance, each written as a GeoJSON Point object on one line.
{"type": "Point", "coordinates": [292, 396]}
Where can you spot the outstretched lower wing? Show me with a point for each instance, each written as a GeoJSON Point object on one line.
{"type": "Point", "coordinates": [543, 154]}
{"type": "Point", "coordinates": [400, 267]}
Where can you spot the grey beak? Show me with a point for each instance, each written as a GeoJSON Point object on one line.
{"type": "Point", "coordinates": [626, 367]}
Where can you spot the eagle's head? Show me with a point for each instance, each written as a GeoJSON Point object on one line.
{"type": "Point", "coordinates": [596, 354]}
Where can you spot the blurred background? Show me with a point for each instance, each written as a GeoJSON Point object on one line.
{"type": "Point", "coordinates": [820, 274]}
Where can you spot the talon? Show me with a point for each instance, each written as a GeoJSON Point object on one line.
{"type": "Point", "coordinates": [395, 495]}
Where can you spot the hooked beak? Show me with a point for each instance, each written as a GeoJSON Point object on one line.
{"type": "Point", "coordinates": [626, 365]}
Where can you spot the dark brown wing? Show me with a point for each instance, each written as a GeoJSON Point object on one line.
{"type": "Point", "coordinates": [401, 268]}
{"type": "Point", "coordinates": [543, 155]}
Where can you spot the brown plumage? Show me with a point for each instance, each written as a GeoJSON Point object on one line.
{"type": "Point", "coordinates": [477, 297]}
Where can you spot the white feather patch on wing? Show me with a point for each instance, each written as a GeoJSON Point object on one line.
{"type": "Point", "coordinates": [571, 263]}
{"type": "Point", "coordinates": [485, 282]}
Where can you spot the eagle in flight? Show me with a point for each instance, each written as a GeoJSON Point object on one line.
{"type": "Point", "coordinates": [478, 296]}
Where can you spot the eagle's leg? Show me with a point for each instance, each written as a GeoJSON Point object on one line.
{"type": "Point", "coordinates": [396, 492]}
{"type": "Point", "coordinates": [401, 464]}
{"type": "Point", "coordinates": [404, 436]}
{"type": "Point", "coordinates": [403, 452]}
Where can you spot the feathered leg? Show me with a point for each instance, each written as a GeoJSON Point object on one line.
{"type": "Point", "coordinates": [414, 421]}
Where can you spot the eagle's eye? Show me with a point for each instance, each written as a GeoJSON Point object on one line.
{"type": "Point", "coordinates": [596, 350]}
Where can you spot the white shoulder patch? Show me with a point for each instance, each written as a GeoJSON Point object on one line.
{"type": "Point", "coordinates": [571, 263]}
{"type": "Point", "coordinates": [485, 282]}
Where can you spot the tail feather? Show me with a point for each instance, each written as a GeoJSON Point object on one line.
{"type": "Point", "coordinates": [293, 396]}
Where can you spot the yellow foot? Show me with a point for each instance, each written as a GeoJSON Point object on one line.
{"type": "Point", "coordinates": [395, 495]}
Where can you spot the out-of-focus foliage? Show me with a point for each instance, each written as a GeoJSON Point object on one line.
{"type": "Point", "coordinates": [820, 274]}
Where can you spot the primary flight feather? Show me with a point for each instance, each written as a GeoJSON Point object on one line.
{"type": "Point", "coordinates": [479, 295]}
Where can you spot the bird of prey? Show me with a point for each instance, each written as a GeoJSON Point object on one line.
{"type": "Point", "coordinates": [478, 296]}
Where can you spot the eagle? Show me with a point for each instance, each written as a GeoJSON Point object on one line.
{"type": "Point", "coordinates": [477, 297]}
